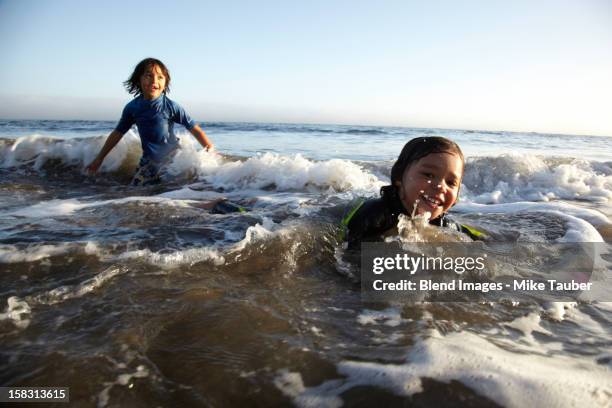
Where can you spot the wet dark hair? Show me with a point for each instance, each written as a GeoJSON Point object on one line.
{"type": "Point", "coordinates": [133, 83]}
{"type": "Point", "coordinates": [416, 149]}
{"type": "Point", "coordinates": [420, 147]}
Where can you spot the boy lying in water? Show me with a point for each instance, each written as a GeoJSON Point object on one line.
{"type": "Point", "coordinates": [425, 179]}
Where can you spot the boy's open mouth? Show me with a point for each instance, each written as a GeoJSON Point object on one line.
{"type": "Point", "coordinates": [432, 202]}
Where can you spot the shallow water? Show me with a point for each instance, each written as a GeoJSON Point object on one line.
{"type": "Point", "coordinates": [140, 297]}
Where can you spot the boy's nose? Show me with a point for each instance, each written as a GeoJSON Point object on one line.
{"type": "Point", "coordinates": [439, 185]}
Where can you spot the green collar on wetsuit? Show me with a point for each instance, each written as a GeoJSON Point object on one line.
{"type": "Point", "coordinates": [473, 231]}
{"type": "Point", "coordinates": [346, 220]}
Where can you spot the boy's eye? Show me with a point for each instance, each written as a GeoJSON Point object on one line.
{"type": "Point", "coordinates": [428, 175]}
{"type": "Point", "coordinates": [452, 183]}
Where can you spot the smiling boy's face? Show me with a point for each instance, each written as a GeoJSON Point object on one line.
{"type": "Point", "coordinates": [431, 184]}
{"type": "Point", "coordinates": [152, 82]}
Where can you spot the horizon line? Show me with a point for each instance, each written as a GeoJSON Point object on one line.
{"type": "Point", "coordinates": [335, 124]}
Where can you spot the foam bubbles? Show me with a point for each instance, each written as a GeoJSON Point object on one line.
{"type": "Point", "coordinates": [291, 173]}
{"type": "Point", "coordinates": [50, 208]}
{"type": "Point", "coordinates": [36, 150]}
{"type": "Point", "coordinates": [18, 311]}
{"type": "Point", "coordinates": [122, 380]}
{"type": "Point", "coordinates": [67, 292]}
{"type": "Point", "coordinates": [256, 233]}
{"type": "Point", "coordinates": [191, 159]}
{"type": "Point", "coordinates": [33, 253]}
{"type": "Point", "coordinates": [528, 324]}
{"type": "Point", "coordinates": [175, 259]}
{"type": "Point", "coordinates": [292, 385]}
{"type": "Point", "coordinates": [511, 178]}
{"type": "Point", "coordinates": [508, 378]}
{"type": "Point", "coordinates": [558, 310]}
{"type": "Point", "coordinates": [389, 317]}
{"type": "Point", "coordinates": [579, 220]}
{"type": "Point", "coordinates": [58, 208]}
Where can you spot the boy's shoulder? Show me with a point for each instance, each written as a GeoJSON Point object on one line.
{"type": "Point", "coordinates": [169, 104]}
{"type": "Point", "coordinates": [363, 208]}
{"type": "Point", "coordinates": [367, 218]}
{"type": "Point", "coordinates": [134, 103]}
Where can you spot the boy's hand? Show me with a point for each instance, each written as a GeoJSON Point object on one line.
{"type": "Point", "coordinates": [201, 137]}
{"type": "Point", "coordinates": [111, 141]}
{"type": "Point", "coordinates": [93, 167]}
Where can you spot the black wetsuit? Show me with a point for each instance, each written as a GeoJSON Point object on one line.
{"type": "Point", "coordinates": [369, 219]}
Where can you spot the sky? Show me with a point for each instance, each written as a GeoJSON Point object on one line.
{"type": "Point", "coordinates": [536, 66]}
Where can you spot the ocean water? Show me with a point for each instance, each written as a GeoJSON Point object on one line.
{"type": "Point", "coordinates": [143, 297]}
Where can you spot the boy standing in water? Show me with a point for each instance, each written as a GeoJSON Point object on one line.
{"type": "Point", "coordinates": [154, 115]}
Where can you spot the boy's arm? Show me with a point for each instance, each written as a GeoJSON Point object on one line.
{"type": "Point", "coordinates": [201, 137]}
{"type": "Point", "coordinates": [111, 142]}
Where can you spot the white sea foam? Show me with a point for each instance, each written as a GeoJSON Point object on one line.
{"type": "Point", "coordinates": [579, 221]}
{"type": "Point", "coordinates": [514, 177]}
{"type": "Point", "coordinates": [389, 317]}
{"type": "Point", "coordinates": [261, 171]}
{"type": "Point", "coordinates": [165, 259]}
{"type": "Point", "coordinates": [292, 385]}
{"type": "Point", "coordinates": [58, 208]}
{"type": "Point", "coordinates": [51, 208]}
{"type": "Point", "coordinates": [67, 292]}
{"type": "Point", "coordinates": [510, 178]}
{"type": "Point", "coordinates": [605, 306]}
{"type": "Point", "coordinates": [174, 259]}
{"type": "Point", "coordinates": [588, 325]}
{"type": "Point", "coordinates": [122, 380]}
{"type": "Point", "coordinates": [527, 342]}
{"type": "Point", "coordinates": [169, 260]}
{"type": "Point", "coordinates": [270, 170]}
{"type": "Point", "coordinates": [592, 216]}
{"type": "Point", "coordinates": [289, 383]}
{"type": "Point", "coordinates": [191, 158]}
{"type": "Point", "coordinates": [289, 173]}
{"type": "Point", "coordinates": [36, 150]}
{"type": "Point", "coordinates": [578, 230]}
{"type": "Point", "coordinates": [558, 310]}
{"type": "Point", "coordinates": [256, 234]}
{"type": "Point", "coordinates": [264, 231]}
{"type": "Point", "coordinates": [187, 193]}
{"type": "Point", "coordinates": [35, 252]}
{"type": "Point", "coordinates": [528, 324]}
{"type": "Point", "coordinates": [18, 311]}
{"type": "Point", "coordinates": [508, 378]}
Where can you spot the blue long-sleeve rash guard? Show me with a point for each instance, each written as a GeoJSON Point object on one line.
{"type": "Point", "coordinates": [155, 121]}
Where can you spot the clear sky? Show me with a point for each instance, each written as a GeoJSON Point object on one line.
{"type": "Point", "coordinates": [523, 65]}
